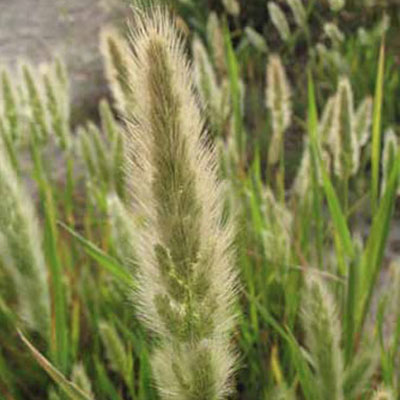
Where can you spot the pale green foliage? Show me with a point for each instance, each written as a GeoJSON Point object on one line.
{"type": "Point", "coordinates": [21, 250]}
{"type": "Point", "coordinates": [323, 333]}
{"type": "Point", "coordinates": [279, 20]}
{"type": "Point", "coordinates": [185, 279]}
{"type": "Point", "coordinates": [53, 395]}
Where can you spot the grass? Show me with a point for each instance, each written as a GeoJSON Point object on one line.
{"type": "Point", "coordinates": [313, 320]}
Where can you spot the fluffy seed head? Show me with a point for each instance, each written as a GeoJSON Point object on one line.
{"type": "Point", "coordinates": [232, 7]}
{"type": "Point", "coordinates": [117, 67]}
{"type": "Point", "coordinates": [21, 251]}
{"type": "Point", "coordinates": [278, 231]}
{"type": "Point", "coordinates": [334, 34]}
{"type": "Point", "coordinates": [38, 117]}
{"type": "Point", "coordinates": [57, 106]}
{"type": "Point", "coordinates": [122, 232]}
{"type": "Point", "coordinates": [343, 141]}
{"type": "Point", "coordinates": [206, 82]}
{"type": "Point", "coordinates": [383, 394]}
{"type": "Point", "coordinates": [256, 39]}
{"type": "Point", "coordinates": [216, 40]}
{"type": "Point", "coordinates": [80, 378]}
{"type": "Point", "coordinates": [278, 96]}
{"type": "Point", "coordinates": [299, 12]}
{"type": "Point", "coordinates": [115, 349]}
{"type": "Point", "coordinates": [10, 110]}
{"type": "Point", "coordinates": [279, 20]}
{"type": "Point", "coordinates": [390, 149]}
{"type": "Point", "coordinates": [303, 180]}
{"type": "Point", "coordinates": [323, 333]}
{"type": "Point", "coordinates": [327, 120]}
{"type": "Point", "coordinates": [186, 283]}
{"type": "Point", "coordinates": [336, 5]}
{"type": "Point", "coordinates": [362, 121]}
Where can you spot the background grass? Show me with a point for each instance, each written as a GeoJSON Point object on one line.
{"type": "Point", "coordinates": [95, 340]}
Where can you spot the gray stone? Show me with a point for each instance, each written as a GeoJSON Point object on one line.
{"type": "Point", "coordinates": [35, 30]}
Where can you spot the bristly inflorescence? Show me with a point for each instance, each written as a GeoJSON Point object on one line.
{"type": "Point", "coordinates": [21, 250]}
{"type": "Point", "coordinates": [343, 139]}
{"type": "Point", "coordinates": [390, 150]}
{"type": "Point", "coordinates": [323, 333]}
{"type": "Point", "coordinates": [186, 280]}
{"type": "Point", "coordinates": [278, 101]}
{"type": "Point", "coordinates": [279, 20]}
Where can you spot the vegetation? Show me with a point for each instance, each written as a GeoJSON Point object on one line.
{"type": "Point", "coordinates": [220, 230]}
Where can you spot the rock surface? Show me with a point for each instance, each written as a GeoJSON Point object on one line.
{"type": "Point", "coordinates": [36, 30]}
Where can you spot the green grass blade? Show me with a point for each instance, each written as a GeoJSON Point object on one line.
{"type": "Point", "coordinates": [105, 385]}
{"type": "Point", "coordinates": [71, 390]}
{"type": "Point", "coordinates": [376, 130]}
{"type": "Point", "coordinates": [234, 84]}
{"type": "Point", "coordinates": [338, 218]}
{"type": "Point", "coordinates": [313, 131]}
{"type": "Point", "coordinates": [299, 359]}
{"type": "Point", "coordinates": [107, 262]}
{"type": "Point", "coordinates": [374, 250]}
{"type": "Point", "coordinates": [60, 346]}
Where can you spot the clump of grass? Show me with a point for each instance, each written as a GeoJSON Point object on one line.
{"type": "Point", "coordinates": [172, 240]}
{"type": "Point", "coordinates": [186, 283]}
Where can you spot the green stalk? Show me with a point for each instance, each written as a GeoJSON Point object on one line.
{"type": "Point", "coordinates": [376, 130]}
